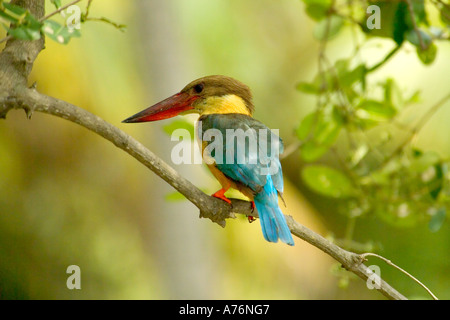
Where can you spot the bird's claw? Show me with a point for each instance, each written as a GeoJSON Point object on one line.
{"type": "Point", "coordinates": [251, 218]}
{"type": "Point", "coordinates": [220, 195]}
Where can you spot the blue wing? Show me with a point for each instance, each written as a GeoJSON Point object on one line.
{"type": "Point", "coordinates": [247, 151]}
{"type": "Point", "coordinates": [248, 156]}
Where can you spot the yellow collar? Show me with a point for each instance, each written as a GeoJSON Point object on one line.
{"type": "Point", "coordinates": [229, 103]}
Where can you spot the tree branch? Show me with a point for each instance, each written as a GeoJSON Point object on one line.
{"type": "Point", "coordinates": [17, 58]}
{"type": "Point", "coordinates": [214, 209]}
{"type": "Point", "coordinates": [16, 61]}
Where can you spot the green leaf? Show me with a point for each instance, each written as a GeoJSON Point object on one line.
{"type": "Point", "coordinates": [392, 94]}
{"type": "Point", "coordinates": [319, 132]}
{"type": "Point", "coordinates": [307, 125]}
{"type": "Point", "coordinates": [399, 23]}
{"type": "Point", "coordinates": [327, 28]}
{"type": "Point", "coordinates": [427, 56]}
{"type": "Point", "coordinates": [7, 16]}
{"type": "Point", "coordinates": [437, 183]}
{"type": "Point", "coordinates": [311, 151]}
{"type": "Point", "coordinates": [327, 181]}
{"type": "Point", "coordinates": [413, 37]}
{"type": "Point", "coordinates": [56, 3]}
{"type": "Point", "coordinates": [375, 111]}
{"type": "Point", "coordinates": [317, 9]}
{"type": "Point", "coordinates": [349, 77]}
{"type": "Point", "coordinates": [26, 26]}
{"type": "Point", "coordinates": [328, 128]}
{"type": "Point", "coordinates": [25, 33]}
{"type": "Point", "coordinates": [386, 17]}
{"type": "Point", "coordinates": [58, 32]}
{"type": "Point", "coordinates": [445, 14]}
{"type": "Point", "coordinates": [13, 13]}
{"type": "Point", "coordinates": [174, 197]}
{"type": "Point", "coordinates": [306, 87]}
{"type": "Point", "coordinates": [437, 219]}
{"type": "Point", "coordinates": [414, 98]}
{"type": "Point", "coordinates": [179, 124]}
{"type": "Point", "coordinates": [393, 16]}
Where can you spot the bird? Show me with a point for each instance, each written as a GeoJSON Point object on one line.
{"type": "Point", "coordinates": [225, 107]}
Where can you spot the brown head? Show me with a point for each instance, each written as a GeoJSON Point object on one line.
{"type": "Point", "coordinates": [207, 95]}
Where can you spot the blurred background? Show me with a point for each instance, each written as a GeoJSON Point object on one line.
{"type": "Point", "coordinates": [69, 197]}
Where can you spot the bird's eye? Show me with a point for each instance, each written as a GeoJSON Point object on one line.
{"type": "Point", "coordinates": [198, 88]}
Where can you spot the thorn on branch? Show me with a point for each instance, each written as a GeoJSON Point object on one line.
{"type": "Point", "coordinates": [7, 104]}
{"type": "Point", "coordinates": [29, 111]}
{"type": "Point", "coordinates": [12, 102]}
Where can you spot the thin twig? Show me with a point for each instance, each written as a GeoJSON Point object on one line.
{"type": "Point", "coordinates": [416, 129]}
{"type": "Point", "coordinates": [85, 17]}
{"type": "Point", "coordinates": [389, 262]}
{"type": "Point", "coordinates": [116, 25]}
{"type": "Point", "coordinates": [88, 8]}
{"type": "Point", "coordinates": [59, 10]}
{"type": "Point", "coordinates": [416, 28]}
{"type": "Point", "coordinates": [386, 59]}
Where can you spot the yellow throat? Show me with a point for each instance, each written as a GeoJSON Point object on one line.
{"type": "Point", "coordinates": [229, 103]}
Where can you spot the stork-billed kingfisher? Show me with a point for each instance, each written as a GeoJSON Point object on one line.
{"type": "Point", "coordinates": [225, 105]}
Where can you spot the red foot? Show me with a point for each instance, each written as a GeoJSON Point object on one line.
{"type": "Point", "coordinates": [251, 218]}
{"type": "Point", "coordinates": [220, 194]}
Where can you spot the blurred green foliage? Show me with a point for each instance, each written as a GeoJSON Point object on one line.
{"type": "Point", "coordinates": [379, 179]}
{"type": "Point", "coordinates": [26, 27]}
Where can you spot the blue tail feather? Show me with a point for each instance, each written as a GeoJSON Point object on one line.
{"type": "Point", "coordinates": [273, 223]}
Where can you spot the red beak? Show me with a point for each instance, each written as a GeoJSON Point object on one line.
{"type": "Point", "coordinates": [165, 109]}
